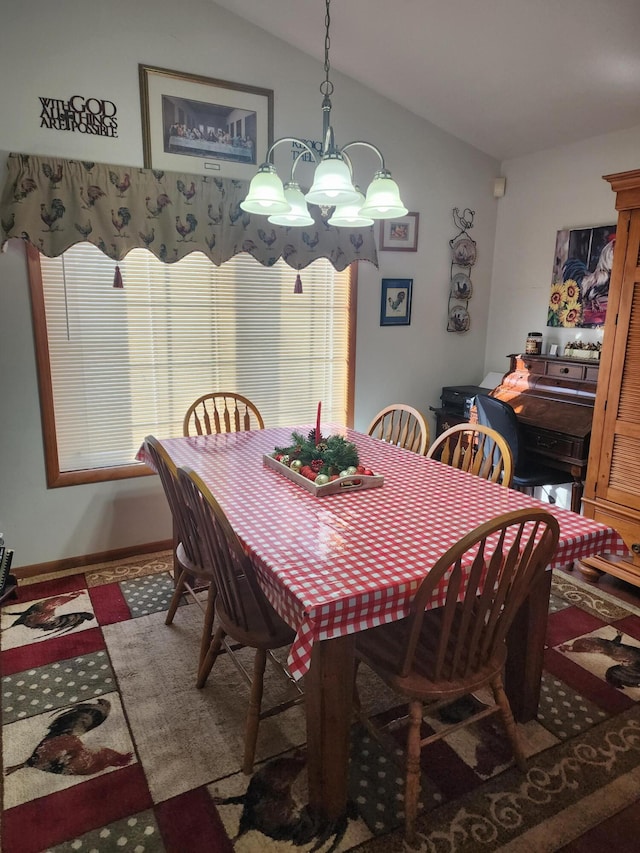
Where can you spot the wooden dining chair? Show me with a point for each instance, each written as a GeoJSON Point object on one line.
{"type": "Point", "coordinates": [439, 655]}
{"type": "Point", "coordinates": [194, 573]}
{"type": "Point", "coordinates": [477, 449]}
{"type": "Point", "coordinates": [403, 426]}
{"type": "Point", "coordinates": [242, 610]}
{"type": "Point", "coordinates": [221, 411]}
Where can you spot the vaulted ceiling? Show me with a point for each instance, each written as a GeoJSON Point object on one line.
{"type": "Point", "coordinates": [510, 77]}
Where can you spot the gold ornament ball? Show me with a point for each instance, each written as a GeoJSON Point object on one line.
{"type": "Point", "coordinates": [321, 479]}
{"type": "Point", "coordinates": [344, 473]}
{"type": "Point", "coordinates": [296, 465]}
{"type": "Point", "coordinates": [352, 470]}
{"type": "Point", "coordinates": [285, 459]}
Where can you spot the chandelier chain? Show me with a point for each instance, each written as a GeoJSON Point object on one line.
{"type": "Point", "coordinates": [326, 87]}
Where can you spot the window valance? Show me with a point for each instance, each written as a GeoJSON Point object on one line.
{"type": "Point", "coordinates": [53, 203]}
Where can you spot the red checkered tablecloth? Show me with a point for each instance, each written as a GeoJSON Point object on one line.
{"type": "Point", "coordinates": [343, 563]}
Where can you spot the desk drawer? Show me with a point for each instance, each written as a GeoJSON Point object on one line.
{"type": "Point", "coordinates": [566, 371]}
{"type": "Point", "coordinates": [529, 365]}
{"type": "Point", "coordinates": [550, 443]}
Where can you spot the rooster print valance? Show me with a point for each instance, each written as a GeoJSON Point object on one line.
{"type": "Point", "coordinates": [53, 203]}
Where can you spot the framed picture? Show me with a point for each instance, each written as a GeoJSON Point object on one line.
{"type": "Point", "coordinates": [197, 124]}
{"type": "Point", "coordinates": [400, 234]}
{"type": "Point", "coordinates": [582, 265]}
{"type": "Point", "coordinates": [395, 304]}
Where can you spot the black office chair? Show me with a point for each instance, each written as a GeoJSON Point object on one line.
{"type": "Point", "coordinates": [528, 473]}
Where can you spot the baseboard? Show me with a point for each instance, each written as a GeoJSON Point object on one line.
{"type": "Point", "coordinates": [91, 559]}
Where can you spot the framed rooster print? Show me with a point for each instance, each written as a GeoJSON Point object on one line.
{"type": "Point", "coordinates": [395, 303]}
{"type": "Point", "coordinates": [204, 126]}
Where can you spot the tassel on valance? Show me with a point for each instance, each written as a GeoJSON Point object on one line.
{"type": "Point", "coordinates": [53, 203]}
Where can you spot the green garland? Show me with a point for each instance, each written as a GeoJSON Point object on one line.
{"type": "Point", "coordinates": [335, 453]}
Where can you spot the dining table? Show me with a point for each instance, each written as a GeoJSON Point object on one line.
{"type": "Point", "coordinates": [335, 565]}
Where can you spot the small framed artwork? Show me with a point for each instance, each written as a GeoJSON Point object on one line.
{"type": "Point", "coordinates": [395, 304]}
{"type": "Point", "coordinates": [201, 125]}
{"type": "Point", "coordinates": [400, 234]}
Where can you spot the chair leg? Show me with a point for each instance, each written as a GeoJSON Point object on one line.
{"type": "Point", "coordinates": [210, 657]}
{"type": "Point", "coordinates": [175, 599]}
{"type": "Point", "coordinates": [207, 629]}
{"type": "Point", "coordinates": [253, 715]}
{"type": "Point", "coordinates": [412, 785]}
{"type": "Point", "coordinates": [509, 723]}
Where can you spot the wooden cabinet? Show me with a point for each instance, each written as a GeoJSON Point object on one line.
{"type": "Point", "coordinates": [612, 491]}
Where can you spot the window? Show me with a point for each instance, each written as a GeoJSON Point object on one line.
{"type": "Point", "coordinates": [117, 364]}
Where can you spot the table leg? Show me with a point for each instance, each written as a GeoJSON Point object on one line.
{"type": "Point", "coordinates": [328, 690]}
{"type": "Point", "coordinates": [577, 489]}
{"type": "Point", "coordinates": [525, 658]}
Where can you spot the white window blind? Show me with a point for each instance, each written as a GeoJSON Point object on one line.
{"type": "Point", "coordinates": [126, 363]}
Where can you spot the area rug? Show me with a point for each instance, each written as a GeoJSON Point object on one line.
{"type": "Point", "coordinates": [107, 745]}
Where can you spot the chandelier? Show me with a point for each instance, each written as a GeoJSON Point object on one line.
{"type": "Point", "coordinates": [332, 186]}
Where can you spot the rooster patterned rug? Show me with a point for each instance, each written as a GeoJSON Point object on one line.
{"type": "Point", "coordinates": [107, 745]}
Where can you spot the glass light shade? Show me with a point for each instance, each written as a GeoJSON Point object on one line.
{"type": "Point", "coordinates": [332, 183]}
{"type": "Point", "coordinates": [266, 193]}
{"type": "Point", "coordinates": [383, 198]}
{"type": "Point", "coordinates": [299, 213]}
{"type": "Point", "coordinates": [349, 215]}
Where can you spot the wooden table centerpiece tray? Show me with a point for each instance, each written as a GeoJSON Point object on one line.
{"type": "Point", "coordinates": [342, 485]}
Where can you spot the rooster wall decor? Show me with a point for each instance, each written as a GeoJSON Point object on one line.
{"type": "Point", "coordinates": [582, 268]}
{"type": "Point", "coordinates": [463, 257]}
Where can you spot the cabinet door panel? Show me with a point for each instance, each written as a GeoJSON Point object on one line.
{"type": "Point", "coordinates": [619, 466]}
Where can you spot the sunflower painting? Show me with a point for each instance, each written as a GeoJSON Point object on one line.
{"type": "Point", "coordinates": [581, 273]}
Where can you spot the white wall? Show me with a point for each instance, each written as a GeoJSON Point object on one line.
{"type": "Point", "coordinates": [93, 49]}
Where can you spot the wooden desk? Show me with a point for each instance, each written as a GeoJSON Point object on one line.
{"type": "Point", "coordinates": [336, 565]}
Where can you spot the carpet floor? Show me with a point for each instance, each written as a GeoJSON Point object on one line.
{"type": "Point", "coordinates": [107, 745]}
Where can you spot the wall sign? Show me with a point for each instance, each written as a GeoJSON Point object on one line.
{"type": "Point", "coordinates": [93, 116]}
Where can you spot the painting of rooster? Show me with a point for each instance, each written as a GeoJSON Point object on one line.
{"type": "Point", "coordinates": [580, 280]}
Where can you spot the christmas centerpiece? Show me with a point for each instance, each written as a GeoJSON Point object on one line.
{"type": "Point", "coordinates": [322, 465]}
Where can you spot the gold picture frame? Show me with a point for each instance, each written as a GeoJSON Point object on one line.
{"type": "Point", "coordinates": [203, 125]}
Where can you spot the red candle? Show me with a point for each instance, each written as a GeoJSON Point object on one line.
{"type": "Point", "coordinates": [318, 425]}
